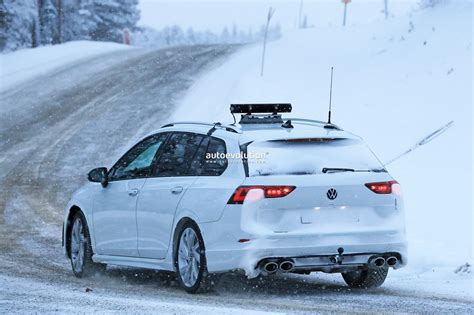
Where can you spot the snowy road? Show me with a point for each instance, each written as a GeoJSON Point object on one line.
{"type": "Point", "coordinates": [55, 128]}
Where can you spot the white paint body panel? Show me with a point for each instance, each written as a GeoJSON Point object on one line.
{"type": "Point", "coordinates": [114, 218]}
{"type": "Point", "coordinates": [156, 208]}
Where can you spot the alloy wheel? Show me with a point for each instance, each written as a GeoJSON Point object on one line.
{"type": "Point", "coordinates": [189, 257]}
{"type": "Point", "coordinates": [78, 246]}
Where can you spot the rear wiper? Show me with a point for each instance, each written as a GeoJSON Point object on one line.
{"type": "Point", "coordinates": [337, 170]}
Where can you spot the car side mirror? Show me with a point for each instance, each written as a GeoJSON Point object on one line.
{"type": "Point", "coordinates": [99, 175]}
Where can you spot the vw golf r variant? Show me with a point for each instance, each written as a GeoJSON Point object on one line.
{"type": "Point", "coordinates": [267, 195]}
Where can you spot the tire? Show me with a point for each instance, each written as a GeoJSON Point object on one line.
{"type": "Point", "coordinates": [190, 260]}
{"type": "Point", "coordinates": [81, 249]}
{"type": "Point", "coordinates": [366, 279]}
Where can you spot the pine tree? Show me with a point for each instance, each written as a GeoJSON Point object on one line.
{"type": "Point", "coordinates": [225, 36]}
{"type": "Point", "coordinates": [18, 25]}
{"type": "Point", "coordinates": [48, 23]}
{"type": "Point", "coordinates": [177, 35]}
{"type": "Point", "coordinates": [190, 36]}
{"type": "Point", "coordinates": [78, 19]}
{"type": "Point", "coordinates": [234, 34]}
{"type": "Point", "coordinates": [4, 22]}
{"type": "Point", "coordinates": [113, 16]}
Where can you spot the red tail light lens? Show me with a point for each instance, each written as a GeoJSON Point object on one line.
{"type": "Point", "coordinates": [384, 187]}
{"type": "Point", "coordinates": [241, 192]}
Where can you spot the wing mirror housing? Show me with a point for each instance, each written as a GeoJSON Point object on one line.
{"type": "Point", "coordinates": [99, 175]}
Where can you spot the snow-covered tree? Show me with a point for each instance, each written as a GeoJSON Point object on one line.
{"type": "Point", "coordinates": [177, 35]}
{"type": "Point", "coordinates": [48, 22]}
{"type": "Point", "coordinates": [190, 36]}
{"type": "Point", "coordinates": [19, 27]}
{"type": "Point", "coordinates": [225, 36]}
{"type": "Point", "coordinates": [235, 34]}
{"type": "Point", "coordinates": [173, 36]}
{"type": "Point", "coordinates": [112, 17]}
{"type": "Point", "coordinates": [78, 19]}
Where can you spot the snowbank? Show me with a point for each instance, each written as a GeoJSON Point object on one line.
{"type": "Point", "coordinates": [21, 65]}
{"type": "Point", "coordinates": [395, 82]}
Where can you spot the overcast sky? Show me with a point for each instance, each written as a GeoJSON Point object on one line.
{"type": "Point", "coordinates": [215, 15]}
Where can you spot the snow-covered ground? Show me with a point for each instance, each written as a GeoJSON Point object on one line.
{"type": "Point", "coordinates": [395, 81]}
{"type": "Point", "coordinates": [21, 65]}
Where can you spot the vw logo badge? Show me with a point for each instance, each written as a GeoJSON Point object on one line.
{"type": "Point", "coordinates": [332, 194]}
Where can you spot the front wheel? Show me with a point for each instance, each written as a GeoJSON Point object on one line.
{"type": "Point", "coordinates": [190, 260]}
{"type": "Point", "coordinates": [81, 249]}
{"type": "Point", "coordinates": [369, 278]}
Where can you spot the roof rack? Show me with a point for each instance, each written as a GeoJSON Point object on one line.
{"type": "Point", "coordinates": [317, 122]}
{"type": "Point", "coordinates": [214, 126]}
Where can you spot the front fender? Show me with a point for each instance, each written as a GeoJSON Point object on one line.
{"type": "Point", "coordinates": [80, 200]}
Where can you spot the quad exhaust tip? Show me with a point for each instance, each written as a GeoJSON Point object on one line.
{"type": "Point", "coordinates": [377, 262]}
{"type": "Point", "coordinates": [392, 261]}
{"type": "Point", "coordinates": [270, 267]}
{"type": "Point", "coordinates": [286, 265]}
{"type": "Point", "coordinates": [273, 266]}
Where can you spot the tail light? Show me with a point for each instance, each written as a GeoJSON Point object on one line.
{"type": "Point", "coordinates": [241, 192]}
{"type": "Point", "coordinates": [385, 187]}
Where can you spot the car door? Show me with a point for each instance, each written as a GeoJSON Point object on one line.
{"type": "Point", "coordinates": [162, 192]}
{"type": "Point", "coordinates": [114, 207]}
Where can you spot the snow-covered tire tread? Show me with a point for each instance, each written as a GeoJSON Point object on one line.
{"type": "Point", "coordinates": [366, 279]}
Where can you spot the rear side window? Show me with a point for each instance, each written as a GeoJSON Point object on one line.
{"type": "Point", "coordinates": [211, 158]}
{"type": "Point", "coordinates": [178, 154]}
{"type": "Point", "coordinates": [215, 161]}
{"type": "Point", "coordinates": [309, 156]}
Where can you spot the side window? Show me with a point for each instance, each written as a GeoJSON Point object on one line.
{"type": "Point", "coordinates": [178, 153]}
{"type": "Point", "coordinates": [210, 159]}
{"type": "Point", "coordinates": [137, 163]}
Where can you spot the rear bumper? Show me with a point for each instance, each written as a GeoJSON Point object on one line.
{"type": "Point", "coordinates": [307, 250]}
{"type": "Point", "coordinates": [294, 234]}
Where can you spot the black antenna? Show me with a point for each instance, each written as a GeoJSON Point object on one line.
{"type": "Point", "coordinates": [330, 97]}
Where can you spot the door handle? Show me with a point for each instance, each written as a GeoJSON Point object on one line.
{"type": "Point", "coordinates": [133, 192]}
{"type": "Point", "coordinates": [176, 190]}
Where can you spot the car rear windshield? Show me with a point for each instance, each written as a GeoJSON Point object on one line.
{"type": "Point", "coordinates": [309, 156]}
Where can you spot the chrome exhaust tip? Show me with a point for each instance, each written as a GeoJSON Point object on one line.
{"type": "Point", "coordinates": [270, 267]}
{"type": "Point", "coordinates": [286, 265]}
{"type": "Point", "coordinates": [377, 262]}
{"type": "Point", "coordinates": [392, 261]}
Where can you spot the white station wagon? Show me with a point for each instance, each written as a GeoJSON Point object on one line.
{"type": "Point", "coordinates": [267, 195]}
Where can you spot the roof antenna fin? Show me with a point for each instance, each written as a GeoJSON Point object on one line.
{"type": "Point", "coordinates": [330, 98]}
